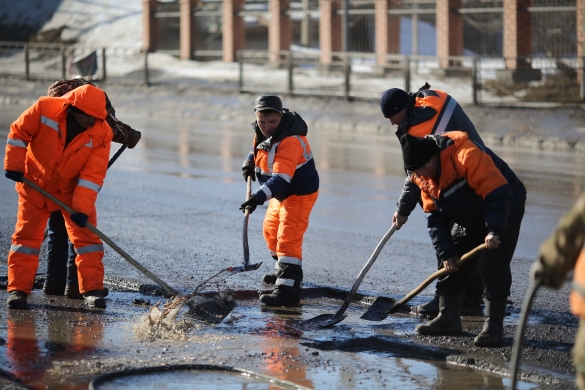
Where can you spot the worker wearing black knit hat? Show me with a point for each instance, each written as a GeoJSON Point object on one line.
{"type": "Point", "coordinates": [416, 152]}
{"type": "Point", "coordinates": [469, 185]}
{"type": "Point", "coordinates": [422, 113]}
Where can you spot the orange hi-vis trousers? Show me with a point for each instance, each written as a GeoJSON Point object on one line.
{"type": "Point", "coordinates": [23, 258]}
{"type": "Point", "coordinates": [285, 224]}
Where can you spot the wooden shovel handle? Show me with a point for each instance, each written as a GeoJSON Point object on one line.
{"type": "Point", "coordinates": [434, 276]}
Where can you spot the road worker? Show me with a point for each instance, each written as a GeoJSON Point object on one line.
{"type": "Point", "coordinates": [560, 253]}
{"type": "Point", "coordinates": [283, 163]}
{"type": "Point", "coordinates": [62, 144]}
{"type": "Point", "coordinates": [422, 113]}
{"type": "Point", "coordinates": [61, 273]}
{"type": "Point", "coordinates": [465, 183]}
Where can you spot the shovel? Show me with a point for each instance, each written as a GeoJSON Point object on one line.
{"type": "Point", "coordinates": [383, 306]}
{"type": "Point", "coordinates": [247, 266]}
{"type": "Point", "coordinates": [172, 308]}
{"type": "Point", "coordinates": [104, 238]}
{"type": "Point", "coordinates": [326, 320]}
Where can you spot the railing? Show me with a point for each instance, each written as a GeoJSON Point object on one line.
{"type": "Point", "coordinates": [471, 80]}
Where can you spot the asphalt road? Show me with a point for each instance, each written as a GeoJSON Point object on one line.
{"type": "Point", "coordinates": [172, 203]}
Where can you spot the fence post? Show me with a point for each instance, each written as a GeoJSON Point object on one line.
{"type": "Point", "coordinates": [582, 84]}
{"type": "Point", "coordinates": [63, 63]}
{"type": "Point", "coordinates": [104, 74]}
{"type": "Point", "coordinates": [240, 59]}
{"type": "Point", "coordinates": [290, 73]}
{"type": "Point", "coordinates": [407, 73]}
{"type": "Point", "coordinates": [26, 63]}
{"type": "Point", "coordinates": [346, 71]}
{"type": "Point", "coordinates": [146, 78]}
{"type": "Point", "coordinates": [474, 84]}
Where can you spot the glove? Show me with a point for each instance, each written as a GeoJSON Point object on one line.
{"type": "Point", "coordinates": [251, 204]}
{"type": "Point", "coordinates": [79, 218]}
{"type": "Point", "coordinates": [14, 175]}
{"type": "Point", "coordinates": [248, 170]}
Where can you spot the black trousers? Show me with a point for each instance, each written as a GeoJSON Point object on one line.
{"type": "Point", "coordinates": [494, 264]}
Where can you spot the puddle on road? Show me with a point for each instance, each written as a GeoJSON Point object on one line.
{"type": "Point", "coordinates": [58, 343]}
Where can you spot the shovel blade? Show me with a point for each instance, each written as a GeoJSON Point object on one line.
{"type": "Point", "coordinates": [322, 321]}
{"type": "Point", "coordinates": [242, 268]}
{"type": "Point", "coordinates": [379, 310]}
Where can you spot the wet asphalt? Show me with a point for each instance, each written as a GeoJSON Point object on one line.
{"type": "Point", "coordinates": [172, 204]}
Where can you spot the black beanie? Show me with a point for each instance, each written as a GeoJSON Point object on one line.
{"type": "Point", "coordinates": [416, 151]}
{"type": "Point", "coordinates": [393, 101]}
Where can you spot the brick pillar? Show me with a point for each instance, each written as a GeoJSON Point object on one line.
{"type": "Point", "coordinates": [234, 31]}
{"type": "Point", "coordinates": [187, 23]}
{"type": "Point", "coordinates": [517, 33]}
{"type": "Point", "coordinates": [387, 30]}
{"type": "Point", "coordinates": [329, 29]}
{"type": "Point", "coordinates": [148, 25]}
{"type": "Point", "coordinates": [280, 31]}
{"type": "Point", "coordinates": [449, 31]}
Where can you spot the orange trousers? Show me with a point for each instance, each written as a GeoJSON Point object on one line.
{"type": "Point", "coordinates": [285, 224]}
{"type": "Point", "coordinates": [23, 258]}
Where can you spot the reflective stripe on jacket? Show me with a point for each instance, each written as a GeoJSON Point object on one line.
{"type": "Point", "coordinates": [36, 142]}
{"type": "Point", "coordinates": [288, 168]}
{"type": "Point", "coordinates": [475, 189]}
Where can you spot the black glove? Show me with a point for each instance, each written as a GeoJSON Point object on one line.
{"type": "Point", "coordinates": [79, 218]}
{"type": "Point", "coordinates": [248, 170]}
{"type": "Point", "coordinates": [251, 204]}
{"type": "Point", "coordinates": [14, 175]}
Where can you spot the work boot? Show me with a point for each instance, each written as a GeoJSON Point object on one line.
{"type": "Point", "coordinates": [493, 328]}
{"type": "Point", "coordinates": [431, 308]}
{"type": "Point", "coordinates": [52, 288]}
{"type": "Point", "coordinates": [282, 297]}
{"type": "Point", "coordinates": [288, 286]}
{"type": "Point", "coordinates": [72, 292]}
{"type": "Point", "coordinates": [269, 278]}
{"type": "Point", "coordinates": [448, 321]}
{"type": "Point", "coordinates": [94, 298]}
{"type": "Point", "coordinates": [17, 300]}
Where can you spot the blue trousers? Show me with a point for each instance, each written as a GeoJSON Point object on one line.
{"type": "Point", "coordinates": [61, 268]}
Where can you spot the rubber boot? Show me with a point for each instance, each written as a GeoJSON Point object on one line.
{"type": "Point", "coordinates": [282, 296]}
{"type": "Point", "coordinates": [431, 308]}
{"type": "Point", "coordinates": [50, 288]}
{"type": "Point", "coordinates": [72, 292]}
{"type": "Point", "coordinates": [17, 300]}
{"type": "Point", "coordinates": [448, 321]}
{"type": "Point", "coordinates": [288, 287]}
{"type": "Point", "coordinates": [271, 278]}
{"type": "Point", "coordinates": [94, 299]}
{"type": "Point", "coordinates": [493, 328]}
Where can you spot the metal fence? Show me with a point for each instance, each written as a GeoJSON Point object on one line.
{"type": "Point", "coordinates": [53, 61]}
{"type": "Point", "coordinates": [209, 23]}
{"type": "Point", "coordinates": [256, 18]}
{"type": "Point", "coordinates": [305, 17]}
{"type": "Point", "coordinates": [475, 80]}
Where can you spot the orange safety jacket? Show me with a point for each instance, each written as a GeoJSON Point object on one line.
{"type": "Point", "coordinates": [578, 291]}
{"type": "Point", "coordinates": [284, 163]}
{"type": "Point", "coordinates": [36, 146]}
{"type": "Point", "coordinates": [443, 106]}
{"type": "Point", "coordinates": [474, 188]}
